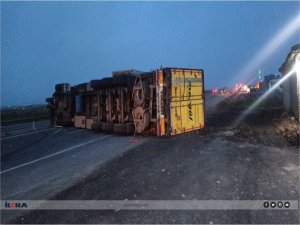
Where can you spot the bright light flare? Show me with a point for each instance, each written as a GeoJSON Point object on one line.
{"type": "Point", "coordinates": [265, 95]}
{"type": "Point", "coordinates": [297, 66]}
{"type": "Point", "coordinates": [269, 48]}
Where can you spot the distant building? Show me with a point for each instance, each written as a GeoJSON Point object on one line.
{"type": "Point", "coordinates": [291, 86]}
{"type": "Point", "coordinates": [269, 81]}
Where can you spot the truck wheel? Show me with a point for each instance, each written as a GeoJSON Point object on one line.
{"type": "Point", "coordinates": [130, 81]}
{"type": "Point", "coordinates": [138, 97]}
{"type": "Point", "coordinates": [107, 82]}
{"type": "Point", "coordinates": [108, 127]}
{"type": "Point", "coordinates": [140, 93]}
{"type": "Point", "coordinates": [62, 88]}
{"type": "Point", "coordinates": [123, 80]}
{"type": "Point", "coordinates": [96, 84]}
{"type": "Point", "coordinates": [96, 127]}
{"type": "Point", "coordinates": [130, 128]}
{"type": "Point", "coordinates": [141, 119]}
{"type": "Point", "coordinates": [120, 80]}
{"type": "Point", "coordinates": [49, 100]}
{"type": "Point", "coordinates": [103, 83]}
{"type": "Point", "coordinates": [120, 128]}
{"type": "Point", "coordinates": [79, 88]}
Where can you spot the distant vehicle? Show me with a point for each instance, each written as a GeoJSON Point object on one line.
{"type": "Point", "coordinates": [253, 88]}
{"type": "Point", "coordinates": [215, 91]}
{"type": "Point", "coordinates": [244, 89]}
{"type": "Point", "coordinates": [240, 88]}
{"type": "Point", "coordinates": [225, 91]}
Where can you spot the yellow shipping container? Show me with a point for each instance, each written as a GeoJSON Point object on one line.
{"type": "Point", "coordinates": [187, 100]}
{"type": "Point", "coordinates": [180, 100]}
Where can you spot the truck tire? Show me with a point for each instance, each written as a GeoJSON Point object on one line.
{"type": "Point", "coordinates": [62, 88]}
{"type": "Point", "coordinates": [73, 90]}
{"type": "Point", "coordinates": [79, 88]}
{"type": "Point", "coordinates": [123, 80]}
{"type": "Point", "coordinates": [142, 119]}
{"type": "Point", "coordinates": [120, 128]}
{"type": "Point", "coordinates": [130, 128]}
{"type": "Point", "coordinates": [108, 127]}
{"type": "Point", "coordinates": [58, 88]}
{"type": "Point", "coordinates": [96, 84]}
{"type": "Point", "coordinates": [139, 95]}
{"type": "Point", "coordinates": [120, 80]}
{"type": "Point", "coordinates": [107, 82]}
{"type": "Point", "coordinates": [96, 127]}
{"type": "Point", "coordinates": [49, 100]}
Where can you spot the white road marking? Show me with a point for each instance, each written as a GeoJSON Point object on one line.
{"type": "Point", "coordinates": [34, 132]}
{"type": "Point", "coordinates": [72, 132]}
{"type": "Point", "coordinates": [55, 132]}
{"type": "Point", "coordinates": [55, 154]}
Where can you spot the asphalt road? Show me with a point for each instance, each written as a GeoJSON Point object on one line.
{"type": "Point", "coordinates": [70, 164]}
{"type": "Point", "coordinates": [20, 129]}
{"type": "Point", "coordinates": [39, 164]}
{"type": "Point", "coordinates": [59, 156]}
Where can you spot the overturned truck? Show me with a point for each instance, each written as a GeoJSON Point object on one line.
{"type": "Point", "coordinates": [164, 102]}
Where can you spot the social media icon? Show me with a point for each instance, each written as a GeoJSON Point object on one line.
{"type": "Point", "coordinates": [279, 204]}
{"type": "Point", "coordinates": [287, 204]}
{"type": "Point", "coordinates": [266, 204]}
{"type": "Point", "coordinates": [273, 204]}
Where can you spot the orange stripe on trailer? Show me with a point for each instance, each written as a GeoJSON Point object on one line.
{"type": "Point", "coordinates": [162, 125]}
{"type": "Point", "coordinates": [161, 120]}
{"type": "Point", "coordinates": [194, 128]}
{"type": "Point", "coordinates": [160, 78]}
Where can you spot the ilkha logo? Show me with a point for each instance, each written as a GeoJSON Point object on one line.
{"type": "Point", "coordinates": [15, 205]}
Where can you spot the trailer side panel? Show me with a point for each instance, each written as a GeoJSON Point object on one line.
{"type": "Point", "coordinates": [187, 100]}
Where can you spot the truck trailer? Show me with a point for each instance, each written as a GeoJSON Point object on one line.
{"type": "Point", "coordinates": [163, 102]}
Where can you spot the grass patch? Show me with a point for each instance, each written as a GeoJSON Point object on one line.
{"type": "Point", "coordinates": [243, 101]}
{"type": "Point", "coordinates": [24, 113]}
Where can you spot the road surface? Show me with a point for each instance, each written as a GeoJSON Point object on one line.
{"type": "Point", "coordinates": [39, 164]}
{"type": "Point", "coordinates": [72, 164]}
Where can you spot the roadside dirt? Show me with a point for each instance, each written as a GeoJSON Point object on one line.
{"type": "Point", "coordinates": [270, 128]}
{"type": "Point", "coordinates": [268, 124]}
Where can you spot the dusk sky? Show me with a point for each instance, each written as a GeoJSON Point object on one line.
{"type": "Point", "coordinates": [45, 43]}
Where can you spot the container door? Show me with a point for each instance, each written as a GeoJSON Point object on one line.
{"type": "Point", "coordinates": [187, 100]}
